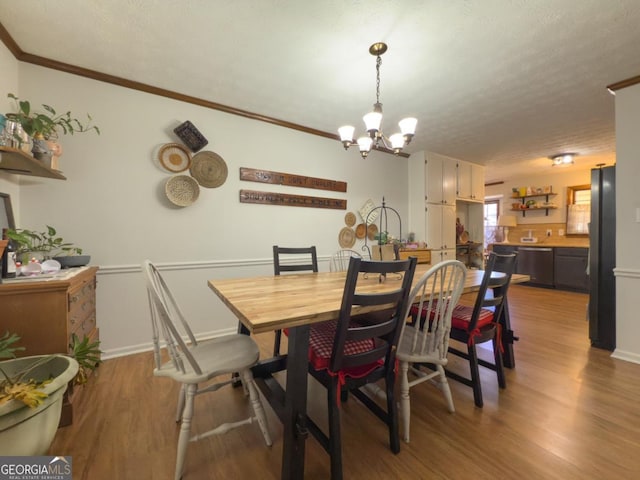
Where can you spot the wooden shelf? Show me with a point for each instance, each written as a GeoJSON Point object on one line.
{"type": "Point", "coordinates": [550, 194]}
{"type": "Point", "coordinates": [16, 161]}
{"type": "Point", "coordinates": [522, 198]}
{"type": "Point", "coordinates": [533, 208]}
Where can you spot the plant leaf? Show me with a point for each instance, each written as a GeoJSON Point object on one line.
{"type": "Point", "coordinates": [6, 351]}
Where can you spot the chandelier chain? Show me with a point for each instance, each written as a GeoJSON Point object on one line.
{"type": "Point", "coordinates": [378, 63]}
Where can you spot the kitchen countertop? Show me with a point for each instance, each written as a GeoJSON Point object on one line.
{"type": "Point", "coordinates": [568, 243]}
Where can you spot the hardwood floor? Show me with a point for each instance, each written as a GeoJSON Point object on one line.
{"type": "Point", "coordinates": [569, 412]}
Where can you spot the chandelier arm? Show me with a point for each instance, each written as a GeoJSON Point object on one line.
{"type": "Point", "coordinates": [381, 137]}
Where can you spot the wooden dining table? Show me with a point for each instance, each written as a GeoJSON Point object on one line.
{"type": "Point", "coordinates": [295, 302]}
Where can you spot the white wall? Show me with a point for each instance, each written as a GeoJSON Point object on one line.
{"type": "Point", "coordinates": [9, 84]}
{"type": "Point", "coordinates": [627, 269]}
{"type": "Point", "coordinates": [113, 203]}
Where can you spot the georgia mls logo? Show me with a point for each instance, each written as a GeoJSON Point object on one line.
{"type": "Point", "coordinates": [35, 468]}
{"type": "Point", "coordinates": [59, 466]}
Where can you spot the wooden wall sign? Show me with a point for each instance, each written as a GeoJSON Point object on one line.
{"type": "Point", "coordinates": [271, 198]}
{"type": "Point", "coordinates": [290, 180]}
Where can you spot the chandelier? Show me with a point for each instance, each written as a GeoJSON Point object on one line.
{"type": "Point", "coordinates": [372, 121]}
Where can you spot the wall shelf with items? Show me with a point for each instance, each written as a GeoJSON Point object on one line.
{"type": "Point", "coordinates": [16, 161]}
{"type": "Point", "coordinates": [523, 207]}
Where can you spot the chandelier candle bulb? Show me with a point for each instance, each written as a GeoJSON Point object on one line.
{"type": "Point", "coordinates": [346, 135]}
{"type": "Point", "coordinates": [364, 143]}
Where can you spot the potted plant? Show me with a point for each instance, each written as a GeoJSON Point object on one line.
{"type": "Point", "coordinates": [87, 354]}
{"type": "Point", "coordinates": [31, 391]}
{"type": "Point", "coordinates": [45, 245]}
{"type": "Point", "coordinates": [45, 127]}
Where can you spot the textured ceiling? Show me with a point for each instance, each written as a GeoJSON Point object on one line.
{"type": "Point", "coordinates": [505, 83]}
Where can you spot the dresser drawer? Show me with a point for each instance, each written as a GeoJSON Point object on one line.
{"type": "Point", "coordinates": [423, 255]}
{"type": "Point", "coordinates": [82, 304]}
{"type": "Point", "coordinates": [84, 327]}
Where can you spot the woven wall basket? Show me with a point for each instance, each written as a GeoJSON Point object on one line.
{"type": "Point", "coordinates": [209, 169]}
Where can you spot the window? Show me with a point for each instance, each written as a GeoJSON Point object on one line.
{"type": "Point", "coordinates": [578, 209]}
{"type": "Point", "coordinates": [491, 213]}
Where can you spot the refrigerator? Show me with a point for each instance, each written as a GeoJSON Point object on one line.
{"type": "Point", "coordinates": [602, 259]}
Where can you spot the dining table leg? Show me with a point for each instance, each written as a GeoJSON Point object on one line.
{"type": "Point", "coordinates": [295, 405]}
{"type": "Point", "coordinates": [507, 338]}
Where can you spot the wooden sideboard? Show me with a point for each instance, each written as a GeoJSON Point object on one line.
{"type": "Point", "coordinates": [45, 313]}
{"type": "Point", "coordinates": [422, 254]}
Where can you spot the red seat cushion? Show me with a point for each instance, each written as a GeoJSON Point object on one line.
{"type": "Point", "coordinates": [321, 339]}
{"type": "Point", "coordinates": [462, 316]}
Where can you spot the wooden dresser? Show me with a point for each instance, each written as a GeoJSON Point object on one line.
{"type": "Point", "coordinates": [423, 254]}
{"type": "Point", "coordinates": [45, 314]}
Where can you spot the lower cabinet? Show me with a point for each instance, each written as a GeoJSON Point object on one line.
{"type": "Point", "coordinates": [438, 256]}
{"type": "Point", "coordinates": [537, 262]}
{"type": "Point", "coordinates": [571, 269]}
{"type": "Point", "coordinates": [564, 268]}
{"type": "Point", "coordinates": [45, 315]}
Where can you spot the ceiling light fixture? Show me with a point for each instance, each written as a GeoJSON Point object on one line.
{"type": "Point", "coordinates": [562, 159]}
{"type": "Point", "coordinates": [372, 121]}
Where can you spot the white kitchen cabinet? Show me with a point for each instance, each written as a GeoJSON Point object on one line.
{"type": "Point", "coordinates": [469, 182]}
{"type": "Point", "coordinates": [432, 202]}
{"type": "Point", "coordinates": [441, 227]}
{"type": "Point", "coordinates": [440, 179]}
{"type": "Point", "coordinates": [438, 256]}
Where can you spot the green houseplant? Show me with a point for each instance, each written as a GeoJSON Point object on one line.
{"type": "Point", "coordinates": [48, 124]}
{"type": "Point", "coordinates": [45, 126]}
{"type": "Point", "coordinates": [46, 244]}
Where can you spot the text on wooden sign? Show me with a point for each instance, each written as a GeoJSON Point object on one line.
{"type": "Point", "coordinates": [271, 198]}
{"type": "Point", "coordinates": [291, 180]}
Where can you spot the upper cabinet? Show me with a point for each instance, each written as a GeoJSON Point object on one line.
{"type": "Point", "coordinates": [469, 182]}
{"type": "Point", "coordinates": [440, 179]}
{"type": "Point", "coordinates": [16, 161]}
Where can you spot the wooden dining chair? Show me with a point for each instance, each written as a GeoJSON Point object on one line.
{"type": "Point", "coordinates": [339, 261]}
{"type": "Point", "coordinates": [292, 259]}
{"type": "Point", "coordinates": [423, 347]}
{"type": "Point", "coordinates": [479, 323]}
{"type": "Point", "coordinates": [194, 364]}
{"type": "Point", "coordinates": [348, 353]}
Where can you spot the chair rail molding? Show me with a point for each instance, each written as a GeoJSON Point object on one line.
{"type": "Point", "coordinates": [627, 272]}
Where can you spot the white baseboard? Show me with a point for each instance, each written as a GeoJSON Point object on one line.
{"type": "Point", "coordinates": [147, 347]}
{"type": "Point", "coordinates": [626, 356]}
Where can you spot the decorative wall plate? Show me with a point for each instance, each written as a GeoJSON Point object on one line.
{"type": "Point", "coordinates": [372, 231]}
{"type": "Point", "coordinates": [191, 136]}
{"type": "Point", "coordinates": [350, 219]}
{"type": "Point", "coordinates": [366, 212]}
{"type": "Point", "coordinates": [174, 157]}
{"type": "Point", "coordinates": [209, 169]}
{"type": "Point", "coordinates": [346, 237]}
{"type": "Point", "coordinates": [182, 190]}
{"type": "Point", "coordinates": [361, 231]}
